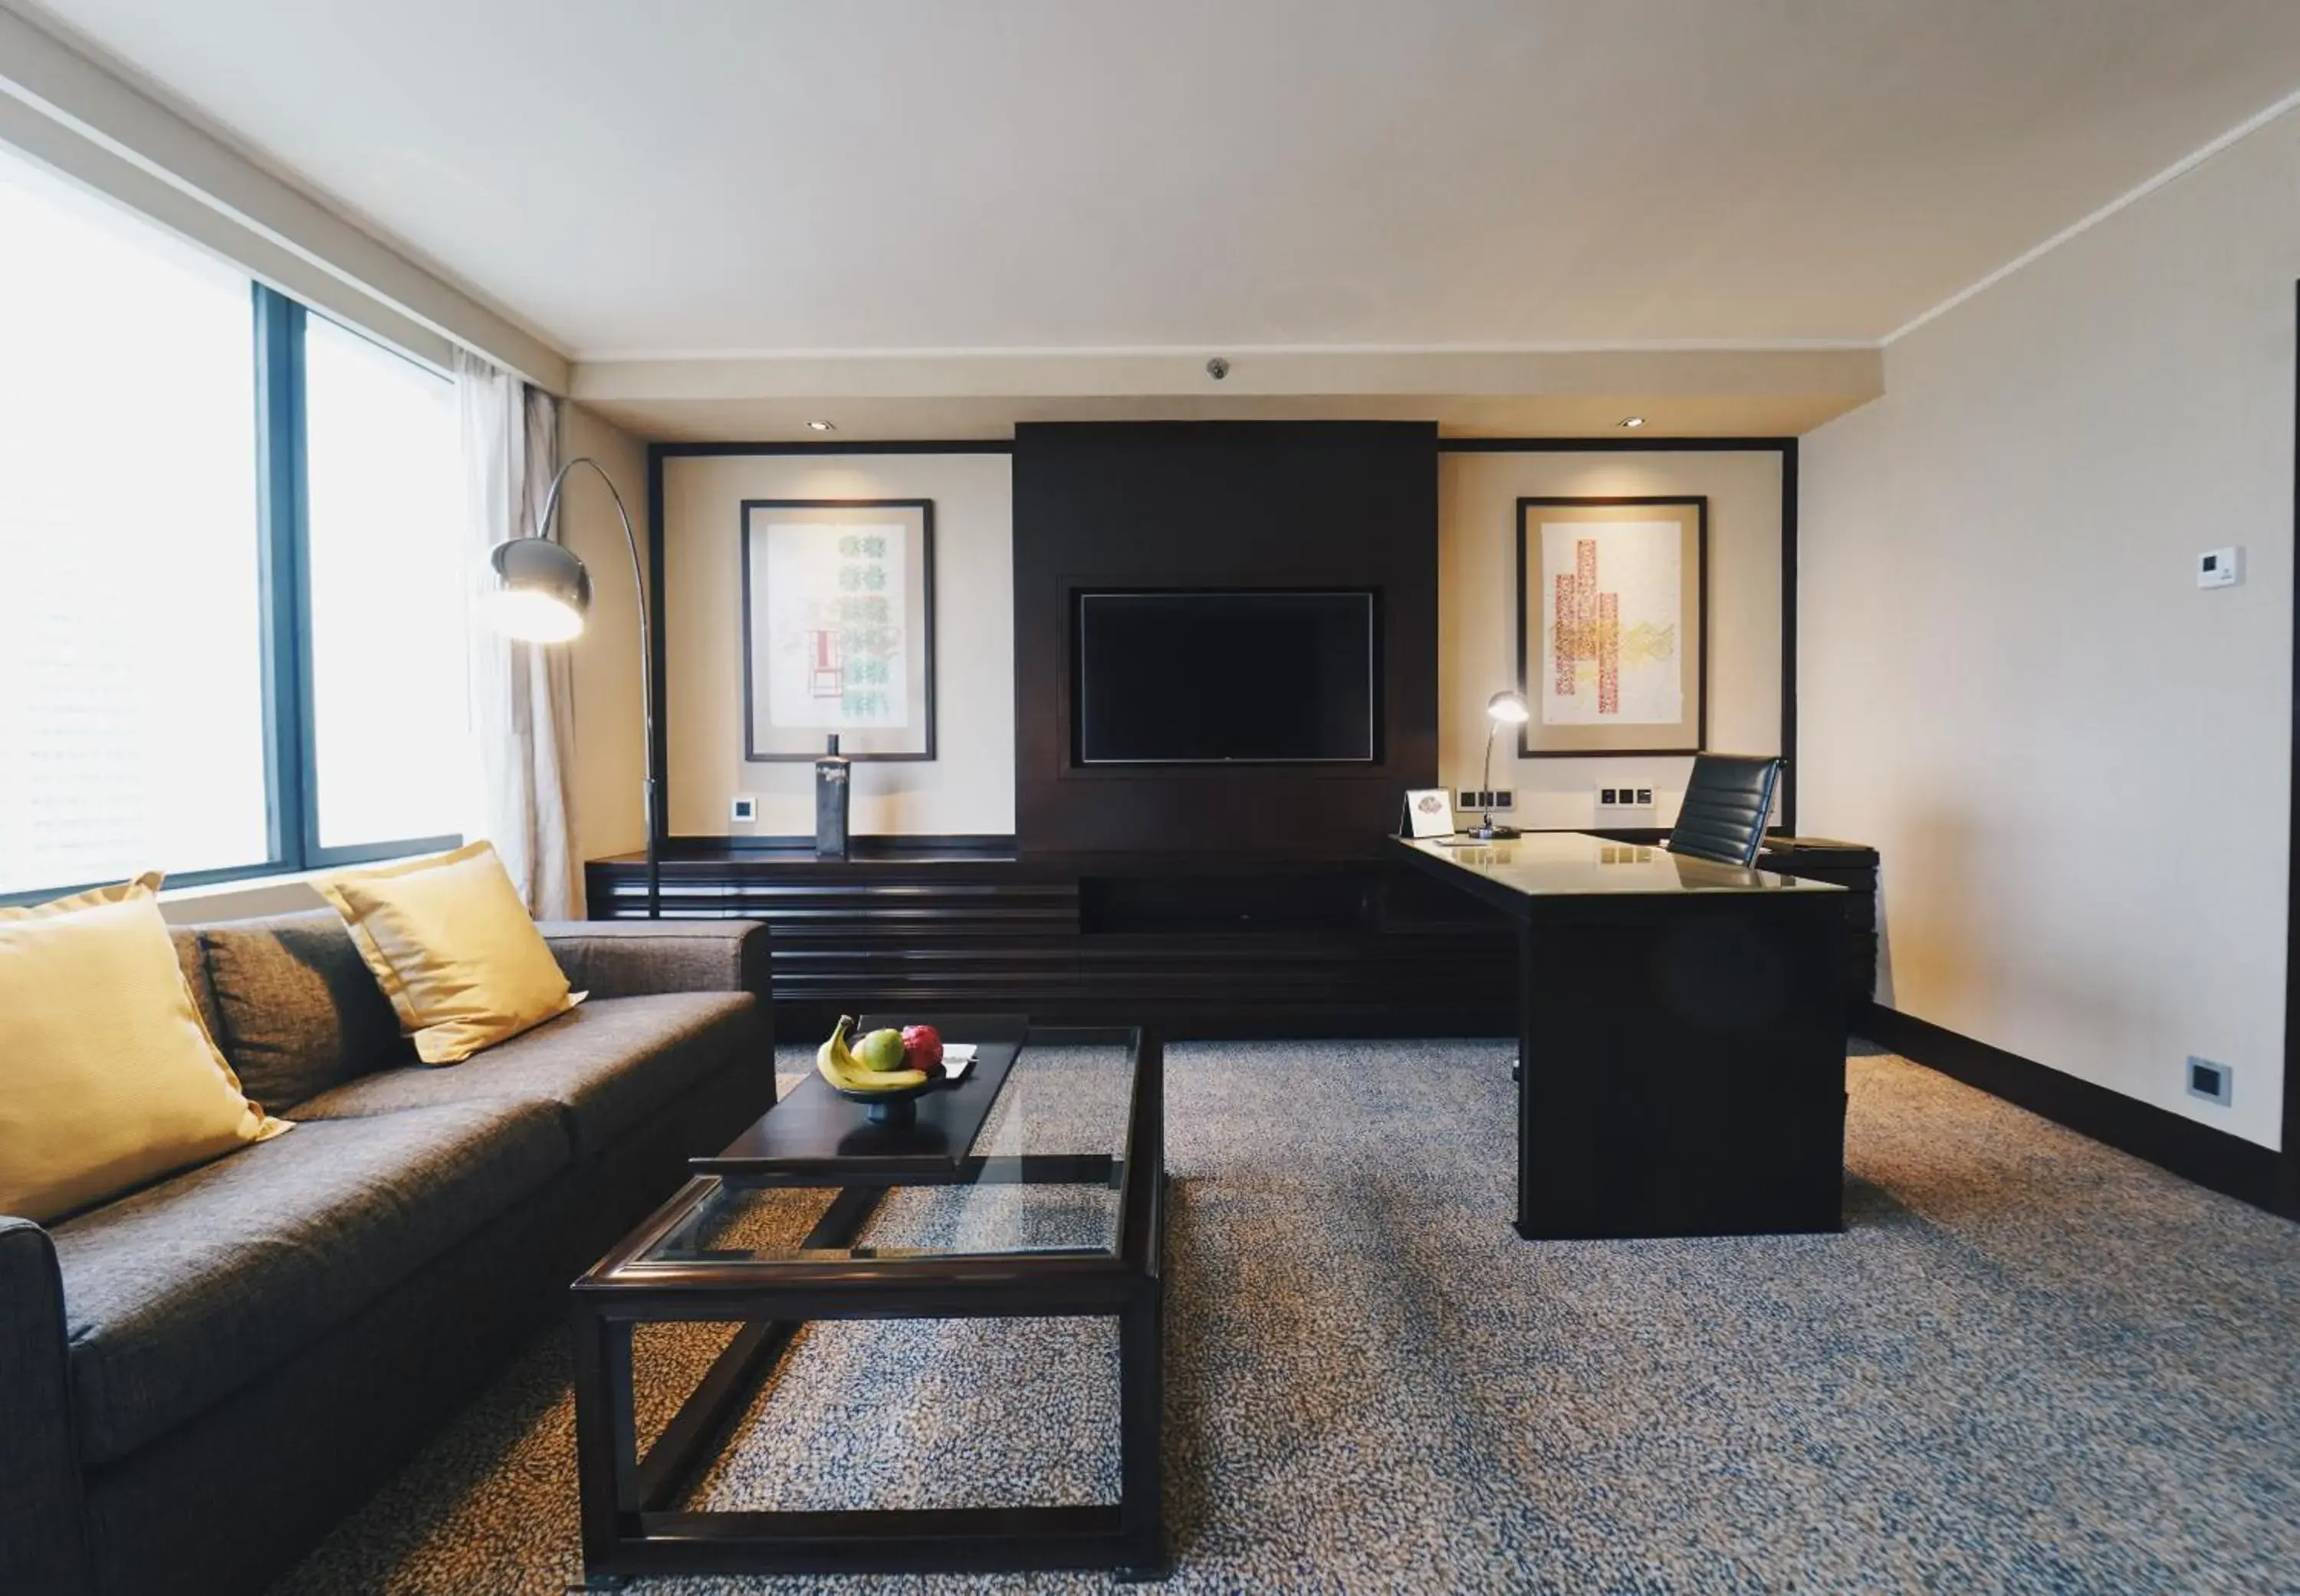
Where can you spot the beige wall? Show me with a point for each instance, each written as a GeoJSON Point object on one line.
{"type": "Point", "coordinates": [610, 758]}
{"type": "Point", "coordinates": [2076, 763]}
{"type": "Point", "coordinates": [1477, 560]}
{"type": "Point", "coordinates": [969, 787]}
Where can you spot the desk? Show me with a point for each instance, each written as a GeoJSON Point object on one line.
{"type": "Point", "coordinates": [1682, 1028]}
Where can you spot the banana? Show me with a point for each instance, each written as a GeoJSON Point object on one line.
{"type": "Point", "coordinates": [832, 1057]}
{"type": "Point", "coordinates": [843, 1070]}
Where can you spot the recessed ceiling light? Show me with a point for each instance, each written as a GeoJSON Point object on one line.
{"type": "Point", "coordinates": [823, 427]}
{"type": "Point", "coordinates": [1633, 422]}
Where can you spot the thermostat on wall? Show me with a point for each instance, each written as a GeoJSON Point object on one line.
{"type": "Point", "coordinates": [2220, 568]}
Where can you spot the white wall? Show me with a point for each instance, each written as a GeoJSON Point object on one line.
{"type": "Point", "coordinates": [968, 787]}
{"type": "Point", "coordinates": [1477, 608]}
{"type": "Point", "coordinates": [2077, 764]}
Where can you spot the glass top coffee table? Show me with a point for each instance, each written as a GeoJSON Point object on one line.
{"type": "Point", "coordinates": [1033, 1189]}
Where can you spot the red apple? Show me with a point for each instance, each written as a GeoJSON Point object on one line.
{"type": "Point", "coordinates": [922, 1049]}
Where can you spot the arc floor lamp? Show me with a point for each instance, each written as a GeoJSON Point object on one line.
{"type": "Point", "coordinates": [543, 593]}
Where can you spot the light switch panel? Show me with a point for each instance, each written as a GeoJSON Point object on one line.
{"type": "Point", "coordinates": [2220, 568]}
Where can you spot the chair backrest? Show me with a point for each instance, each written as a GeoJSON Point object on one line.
{"type": "Point", "coordinates": [1726, 806]}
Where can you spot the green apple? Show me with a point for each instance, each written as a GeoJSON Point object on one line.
{"type": "Point", "coordinates": [880, 1049]}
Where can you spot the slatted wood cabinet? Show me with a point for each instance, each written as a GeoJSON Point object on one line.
{"type": "Point", "coordinates": [1189, 944]}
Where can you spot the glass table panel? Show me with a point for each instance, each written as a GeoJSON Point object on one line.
{"type": "Point", "coordinates": [1547, 863]}
{"type": "Point", "coordinates": [1044, 1178]}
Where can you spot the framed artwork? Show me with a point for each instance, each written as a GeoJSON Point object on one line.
{"type": "Point", "coordinates": [838, 628]}
{"type": "Point", "coordinates": [1612, 624]}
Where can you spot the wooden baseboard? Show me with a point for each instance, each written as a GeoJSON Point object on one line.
{"type": "Point", "coordinates": [2210, 1158]}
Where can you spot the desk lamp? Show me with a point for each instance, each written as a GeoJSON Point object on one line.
{"type": "Point", "coordinates": [1506, 708]}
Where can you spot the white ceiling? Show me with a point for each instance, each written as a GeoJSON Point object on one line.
{"type": "Point", "coordinates": [718, 176]}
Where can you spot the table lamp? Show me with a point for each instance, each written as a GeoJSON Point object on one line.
{"type": "Point", "coordinates": [1506, 708]}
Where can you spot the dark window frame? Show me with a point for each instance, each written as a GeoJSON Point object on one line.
{"type": "Point", "coordinates": [283, 528]}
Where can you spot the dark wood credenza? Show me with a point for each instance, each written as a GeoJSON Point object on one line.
{"type": "Point", "coordinates": [1190, 945]}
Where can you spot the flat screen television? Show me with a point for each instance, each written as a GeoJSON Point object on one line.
{"type": "Point", "coordinates": [1212, 677]}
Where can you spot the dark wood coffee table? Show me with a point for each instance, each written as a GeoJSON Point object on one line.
{"type": "Point", "coordinates": [1062, 1215]}
{"type": "Point", "coordinates": [815, 1131]}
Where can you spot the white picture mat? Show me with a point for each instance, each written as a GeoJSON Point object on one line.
{"type": "Point", "coordinates": [798, 588]}
{"type": "Point", "coordinates": [1641, 565]}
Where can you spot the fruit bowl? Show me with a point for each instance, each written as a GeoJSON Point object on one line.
{"type": "Point", "coordinates": [897, 1106]}
{"type": "Point", "coordinates": [888, 1071]}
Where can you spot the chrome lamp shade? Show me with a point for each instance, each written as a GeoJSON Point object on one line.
{"type": "Point", "coordinates": [542, 593]}
{"type": "Point", "coordinates": [542, 590]}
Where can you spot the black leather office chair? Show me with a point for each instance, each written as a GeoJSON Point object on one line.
{"type": "Point", "coordinates": [1726, 806]}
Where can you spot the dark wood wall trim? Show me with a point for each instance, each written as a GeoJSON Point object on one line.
{"type": "Point", "coordinates": [2288, 1188]}
{"type": "Point", "coordinates": [2210, 1158]}
{"type": "Point", "coordinates": [1790, 635]}
{"type": "Point", "coordinates": [658, 817]}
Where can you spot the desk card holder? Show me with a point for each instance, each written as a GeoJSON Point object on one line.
{"type": "Point", "coordinates": [1428, 812]}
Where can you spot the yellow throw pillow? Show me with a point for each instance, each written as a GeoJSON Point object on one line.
{"type": "Point", "coordinates": [108, 1079]}
{"type": "Point", "coordinates": [453, 948]}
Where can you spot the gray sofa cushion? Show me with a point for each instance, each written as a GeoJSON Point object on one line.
{"type": "Point", "coordinates": [193, 960]}
{"type": "Point", "coordinates": [610, 1064]}
{"type": "Point", "coordinates": [301, 1010]}
{"type": "Point", "coordinates": [178, 1295]}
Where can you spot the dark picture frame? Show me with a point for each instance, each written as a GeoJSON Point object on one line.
{"type": "Point", "coordinates": [1537, 739]}
{"type": "Point", "coordinates": [832, 674]}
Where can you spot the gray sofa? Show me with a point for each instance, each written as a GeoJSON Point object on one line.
{"type": "Point", "coordinates": [197, 1379]}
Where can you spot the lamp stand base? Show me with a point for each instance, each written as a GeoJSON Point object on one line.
{"type": "Point", "coordinates": [1489, 832]}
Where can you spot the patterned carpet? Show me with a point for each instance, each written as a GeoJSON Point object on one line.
{"type": "Point", "coordinates": [2033, 1364]}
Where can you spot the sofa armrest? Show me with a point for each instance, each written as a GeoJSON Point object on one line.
{"type": "Point", "coordinates": [43, 1533]}
{"type": "Point", "coordinates": [611, 959]}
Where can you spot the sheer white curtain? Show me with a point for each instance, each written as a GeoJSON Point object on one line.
{"type": "Point", "coordinates": [522, 697]}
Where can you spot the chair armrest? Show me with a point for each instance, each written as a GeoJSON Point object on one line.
{"type": "Point", "coordinates": [611, 959]}
{"type": "Point", "coordinates": [42, 1532]}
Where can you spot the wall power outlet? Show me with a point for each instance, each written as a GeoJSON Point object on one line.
{"type": "Point", "coordinates": [1483, 799]}
{"type": "Point", "coordinates": [1615, 799]}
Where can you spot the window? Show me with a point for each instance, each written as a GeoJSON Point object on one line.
{"type": "Point", "coordinates": [131, 686]}
{"type": "Point", "coordinates": [389, 664]}
{"type": "Point", "coordinates": [233, 577]}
